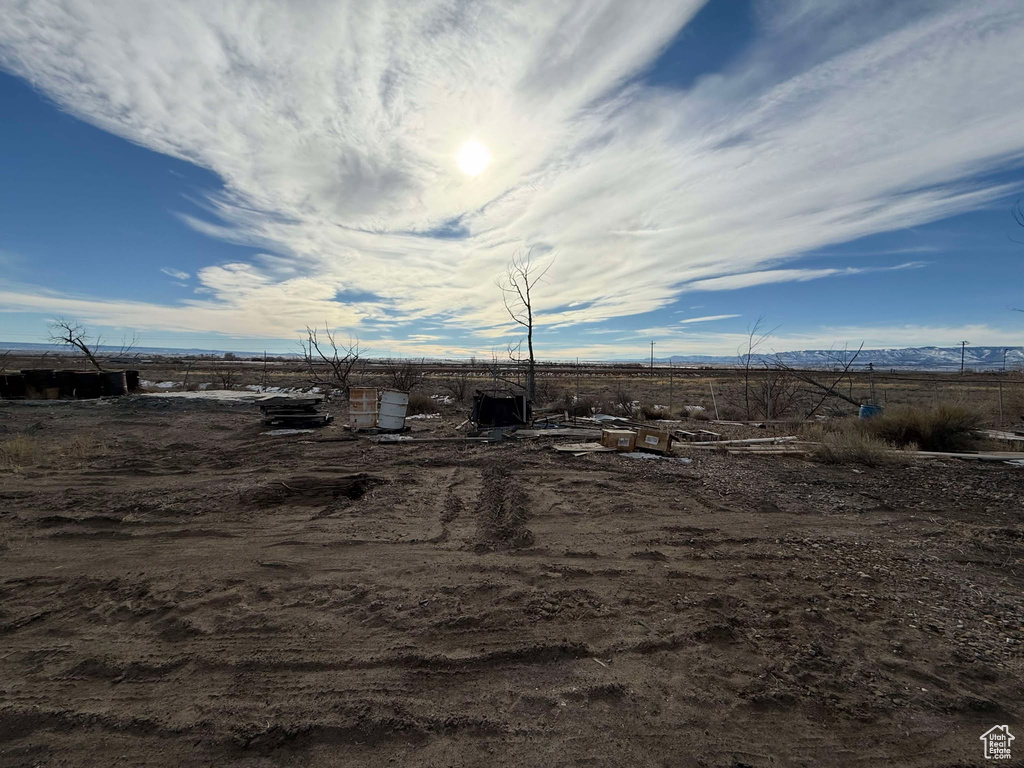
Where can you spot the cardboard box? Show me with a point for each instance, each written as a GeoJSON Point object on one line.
{"type": "Point", "coordinates": [653, 440]}
{"type": "Point", "coordinates": [619, 439]}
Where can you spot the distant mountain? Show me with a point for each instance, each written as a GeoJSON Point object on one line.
{"type": "Point", "coordinates": [53, 349]}
{"type": "Point", "coordinates": [911, 358]}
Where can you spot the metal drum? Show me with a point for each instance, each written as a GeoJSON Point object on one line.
{"type": "Point", "coordinates": [14, 387]}
{"type": "Point", "coordinates": [362, 407]}
{"type": "Point", "coordinates": [38, 382]}
{"type": "Point", "coordinates": [393, 407]}
{"type": "Point", "coordinates": [114, 383]}
{"type": "Point", "coordinates": [87, 385]}
{"type": "Point", "coordinates": [870, 411]}
{"type": "Point", "coordinates": [66, 383]}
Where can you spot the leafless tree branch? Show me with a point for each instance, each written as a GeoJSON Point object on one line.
{"type": "Point", "coordinates": [522, 274]}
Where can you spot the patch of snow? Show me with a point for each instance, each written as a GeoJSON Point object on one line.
{"type": "Point", "coordinates": [279, 432]}
{"type": "Point", "coordinates": [210, 394]}
{"type": "Point", "coordinates": [157, 384]}
{"type": "Point", "coordinates": [639, 455]}
{"type": "Point", "coordinates": [424, 416]}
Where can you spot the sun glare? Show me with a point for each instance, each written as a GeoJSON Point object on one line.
{"type": "Point", "coordinates": [473, 158]}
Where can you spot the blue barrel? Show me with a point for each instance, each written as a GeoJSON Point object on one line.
{"type": "Point", "coordinates": [870, 411]}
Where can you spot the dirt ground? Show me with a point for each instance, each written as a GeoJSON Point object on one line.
{"type": "Point", "coordinates": [177, 588]}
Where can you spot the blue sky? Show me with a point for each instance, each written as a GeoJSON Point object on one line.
{"type": "Point", "coordinates": [221, 175]}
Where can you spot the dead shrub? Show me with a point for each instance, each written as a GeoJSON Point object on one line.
{"type": "Point", "coordinates": [651, 412]}
{"type": "Point", "coordinates": [29, 451]}
{"type": "Point", "coordinates": [585, 406]}
{"type": "Point", "coordinates": [947, 427]}
{"type": "Point", "coordinates": [459, 386]}
{"type": "Point", "coordinates": [853, 446]}
{"type": "Point", "coordinates": [403, 374]}
{"type": "Point", "coordinates": [20, 451]}
{"type": "Point", "coordinates": [624, 400]}
{"type": "Point", "coordinates": [420, 404]}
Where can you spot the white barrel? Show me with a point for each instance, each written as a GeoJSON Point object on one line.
{"type": "Point", "coordinates": [393, 407]}
{"type": "Point", "coordinates": [362, 407]}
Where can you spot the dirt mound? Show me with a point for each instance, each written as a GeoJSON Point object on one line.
{"type": "Point", "coordinates": [504, 509]}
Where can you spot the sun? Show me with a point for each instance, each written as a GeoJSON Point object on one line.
{"type": "Point", "coordinates": [473, 158]}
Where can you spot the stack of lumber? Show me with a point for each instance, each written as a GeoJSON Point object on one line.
{"type": "Point", "coordinates": [293, 412]}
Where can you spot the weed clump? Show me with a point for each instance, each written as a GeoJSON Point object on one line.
{"type": "Point", "coordinates": [420, 404]}
{"type": "Point", "coordinates": [944, 428]}
{"type": "Point", "coordinates": [853, 446]}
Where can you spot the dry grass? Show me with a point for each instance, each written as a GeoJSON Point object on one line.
{"type": "Point", "coordinates": [31, 451]}
{"type": "Point", "coordinates": [942, 428]}
{"type": "Point", "coordinates": [854, 446]}
{"type": "Point", "coordinates": [20, 451]}
{"type": "Point", "coordinates": [420, 403]}
{"type": "Point", "coordinates": [652, 412]}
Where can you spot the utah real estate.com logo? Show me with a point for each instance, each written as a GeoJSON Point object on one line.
{"type": "Point", "coordinates": [997, 742]}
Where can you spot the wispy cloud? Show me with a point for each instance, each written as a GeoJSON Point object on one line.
{"type": "Point", "coordinates": [175, 273]}
{"type": "Point", "coordinates": [707, 318]}
{"type": "Point", "coordinates": [335, 127]}
{"type": "Point", "coordinates": [748, 279]}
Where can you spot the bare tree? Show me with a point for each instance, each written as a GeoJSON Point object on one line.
{"type": "Point", "coordinates": [71, 333]}
{"type": "Point", "coordinates": [326, 352]}
{"type": "Point", "coordinates": [458, 384]}
{"type": "Point", "coordinates": [227, 375]}
{"type": "Point", "coordinates": [403, 374]}
{"type": "Point", "coordinates": [829, 390]}
{"type": "Point", "coordinates": [523, 273]}
{"type": "Point", "coordinates": [756, 337]}
{"type": "Point", "coordinates": [3, 360]}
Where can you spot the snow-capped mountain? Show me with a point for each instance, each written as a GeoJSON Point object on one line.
{"type": "Point", "coordinates": [911, 358]}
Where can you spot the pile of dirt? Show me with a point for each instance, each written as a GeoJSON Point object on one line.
{"type": "Point", "coordinates": [504, 509]}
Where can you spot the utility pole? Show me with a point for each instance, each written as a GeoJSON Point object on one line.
{"type": "Point", "coordinates": [963, 351]}
{"type": "Point", "coordinates": [652, 357]}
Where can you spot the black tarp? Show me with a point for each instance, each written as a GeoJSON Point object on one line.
{"type": "Point", "coordinates": [492, 409]}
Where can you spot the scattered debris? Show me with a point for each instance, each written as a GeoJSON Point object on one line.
{"type": "Point", "coordinates": [746, 441]}
{"type": "Point", "coordinates": [619, 439]}
{"type": "Point", "coordinates": [500, 410]}
{"type": "Point", "coordinates": [51, 384]}
{"type": "Point", "coordinates": [1000, 434]}
{"type": "Point", "coordinates": [653, 439]}
{"type": "Point", "coordinates": [293, 412]}
{"type": "Point", "coordinates": [580, 449]}
{"type": "Point", "coordinates": [657, 456]}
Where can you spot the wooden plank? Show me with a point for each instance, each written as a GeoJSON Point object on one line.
{"type": "Point", "coordinates": [580, 448]}
{"type": "Point", "coordinates": [749, 441]}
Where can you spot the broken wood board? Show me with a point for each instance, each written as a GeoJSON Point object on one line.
{"type": "Point", "coordinates": [558, 432]}
{"type": "Point", "coordinates": [581, 449]}
{"type": "Point", "coordinates": [1000, 434]}
{"type": "Point", "coordinates": [747, 441]}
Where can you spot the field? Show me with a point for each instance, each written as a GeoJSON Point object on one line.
{"type": "Point", "coordinates": [179, 588]}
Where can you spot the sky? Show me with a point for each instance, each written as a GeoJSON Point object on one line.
{"type": "Point", "coordinates": [222, 175]}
